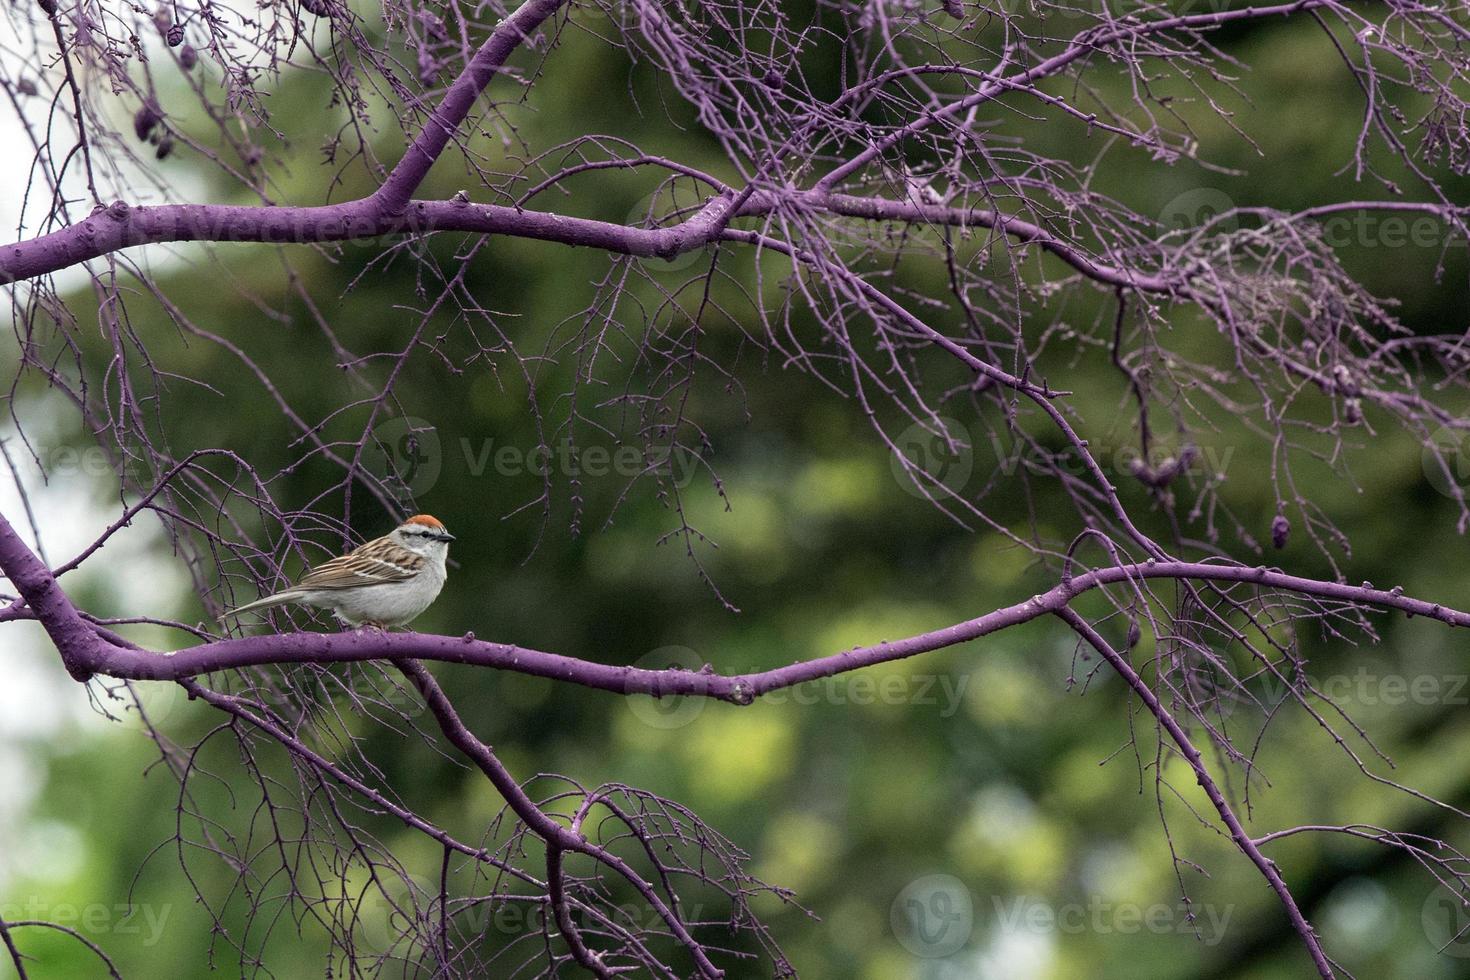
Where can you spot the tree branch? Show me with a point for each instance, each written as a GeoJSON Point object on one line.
{"type": "Point", "coordinates": [1192, 755]}
{"type": "Point", "coordinates": [92, 653]}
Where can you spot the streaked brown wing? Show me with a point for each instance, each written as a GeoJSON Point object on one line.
{"type": "Point", "coordinates": [366, 565]}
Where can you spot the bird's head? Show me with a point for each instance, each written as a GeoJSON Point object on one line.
{"type": "Point", "coordinates": [424, 535]}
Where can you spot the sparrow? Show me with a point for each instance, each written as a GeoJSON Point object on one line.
{"type": "Point", "coordinates": [383, 583]}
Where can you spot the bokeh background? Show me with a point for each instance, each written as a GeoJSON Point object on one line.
{"type": "Point", "coordinates": [990, 787]}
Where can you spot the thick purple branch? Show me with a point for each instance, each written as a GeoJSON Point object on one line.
{"type": "Point", "coordinates": [76, 641]}
{"type": "Point", "coordinates": [1024, 231]}
{"type": "Point", "coordinates": [87, 651]}
{"type": "Point", "coordinates": [121, 226]}
{"type": "Point", "coordinates": [446, 119]}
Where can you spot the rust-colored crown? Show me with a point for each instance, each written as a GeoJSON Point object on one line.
{"type": "Point", "coordinates": [426, 521]}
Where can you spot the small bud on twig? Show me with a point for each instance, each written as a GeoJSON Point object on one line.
{"type": "Point", "coordinates": [144, 120]}
{"type": "Point", "coordinates": [1280, 530]}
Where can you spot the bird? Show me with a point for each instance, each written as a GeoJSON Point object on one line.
{"type": "Point", "coordinates": [386, 582]}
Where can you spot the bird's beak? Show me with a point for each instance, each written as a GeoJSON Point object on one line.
{"type": "Point", "coordinates": [445, 536]}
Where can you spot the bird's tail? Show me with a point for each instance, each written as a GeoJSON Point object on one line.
{"type": "Point", "coordinates": [279, 599]}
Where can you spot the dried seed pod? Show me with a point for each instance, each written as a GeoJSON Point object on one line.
{"type": "Point", "coordinates": [144, 120]}
{"type": "Point", "coordinates": [25, 87]}
{"type": "Point", "coordinates": [955, 8]}
{"type": "Point", "coordinates": [175, 35]}
{"type": "Point", "coordinates": [49, 6]}
{"type": "Point", "coordinates": [162, 20]}
{"type": "Point", "coordinates": [188, 57]}
{"type": "Point", "coordinates": [1280, 531]}
{"type": "Point", "coordinates": [165, 147]}
{"type": "Point", "coordinates": [322, 8]}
